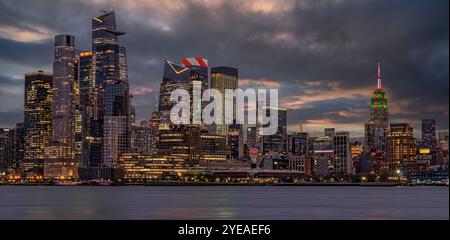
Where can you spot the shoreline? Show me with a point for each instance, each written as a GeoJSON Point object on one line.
{"type": "Point", "coordinates": [211, 184]}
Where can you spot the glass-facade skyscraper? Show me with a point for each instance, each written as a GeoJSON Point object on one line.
{"type": "Point", "coordinates": [175, 76]}
{"type": "Point", "coordinates": [224, 78]}
{"type": "Point", "coordinates": [111, 97]}
{"type": "Point", "coordinates": [37, 120]}
{"type": "Point", "coordinates": [60, 159]}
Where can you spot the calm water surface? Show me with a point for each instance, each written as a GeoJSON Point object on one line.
{"type": "Point", "coordinates": [255, 202]}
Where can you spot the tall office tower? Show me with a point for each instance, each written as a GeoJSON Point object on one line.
{"type": "Point", "coordinates": [198, 82]}
{"type": "Point", "coordinates": [18, 144]}
{"type": "Point", "coordinates": [112, 96]}
{"type": "Point", "coordinates": [298, 143]}
{"type": "Point", "coordinates": [6, 149]}
{"type": "Point", "coordinates": [78, 117]}
{"type": "Point", "coordinates": [91, 126]}
{"type": "Point", "coordinates": [342, 162]}
{"type": "Point", "coordinates": [277, 143]}
{"type": "Point", "coordinates": [322, 151]}
{"type": "Point", "coordinates": [37, 120]}
{"type": "Point", "coordinates": [224, 78]}
{"type": "Point", "coordinates": [401, 148]}
{"type": "Point", "coordinates": [174, 77]}
{"type": "Point", "coordinates": [330, 132]}
{"type": "Point", "coordinates": [429, 139]}
{"type": "Point", "coordinates": [60, 159]}
{"type": "Point", "coordinates": [377, 127]}
{"type": "Point", "coordinates": [64, 99]}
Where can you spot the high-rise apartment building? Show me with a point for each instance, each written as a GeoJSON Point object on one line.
{"type": "Point", "coordinates": [402, 146]}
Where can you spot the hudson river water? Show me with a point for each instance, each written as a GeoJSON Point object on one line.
{"type": "Point", "coordinates": [223, 202]}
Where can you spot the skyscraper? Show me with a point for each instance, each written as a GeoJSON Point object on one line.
{"type": "Point", "coordinates": [18, 144]}
{"type": "Point", "coordinates": [377, 127]}
{"type": "Point", "coordinates": [277, 142]}
{"type": "Point", "coordinates": [429, 134]}
{"type": "Point", "coordinates": [174, 77]}
{"type": "Point", "coordinates": [38, 120]}
{"type": "Point", "coordinates": [401, 149]}
{"type": "Point", "coordinates": [60, 160]}
{"type": "Point", "coordinates": [342, 162]}
{"type": "Point", "coordinates": [223, 78]}
{"type": "Point", "coordinates": [198, 83]}
{"type": "Point", "coordinates": [91, 125]}
{"type": "Point", "coordinates": [112, 96]}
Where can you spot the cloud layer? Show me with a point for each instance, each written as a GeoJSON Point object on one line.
{"type": "Point", "coordinates": [321, 54]}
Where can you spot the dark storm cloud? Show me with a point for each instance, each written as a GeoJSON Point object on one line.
{"type": "Point", "coordinates": [292, 43]}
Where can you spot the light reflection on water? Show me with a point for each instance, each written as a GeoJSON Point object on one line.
{"type": "Point", "coordinates": [255, 202]}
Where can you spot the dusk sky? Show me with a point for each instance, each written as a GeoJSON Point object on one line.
{"type": "Point", "coordinates": [321, 54]}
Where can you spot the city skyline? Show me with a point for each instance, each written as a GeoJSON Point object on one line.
{"type": "Point", "coordinates": [326, 80]}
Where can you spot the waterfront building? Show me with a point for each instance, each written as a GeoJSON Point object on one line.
{"type": "Point", "coordinates": [223, 78]}
{"type": "Point", "coordinates": [342, 162]}
{"type": "Point", "coordinates": [18, 137]}
{"type": "Point", "coordinates": [275, 161]}
{"type": "Point", "coordinates": [193, 145]}
{"type": "Point", "coordinates": [375, 132]}
{"type": "Point", "coordinates": [301, 163]}
{"type": "Point", "coordinates": [6, 149]}
{"type": "Point", "coordinates": [401, 145]}
{"type": "Point", "coordinates": [37, 121]}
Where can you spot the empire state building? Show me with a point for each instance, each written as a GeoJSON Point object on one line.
{"type": "Point", "coordinates": [377, 126]}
